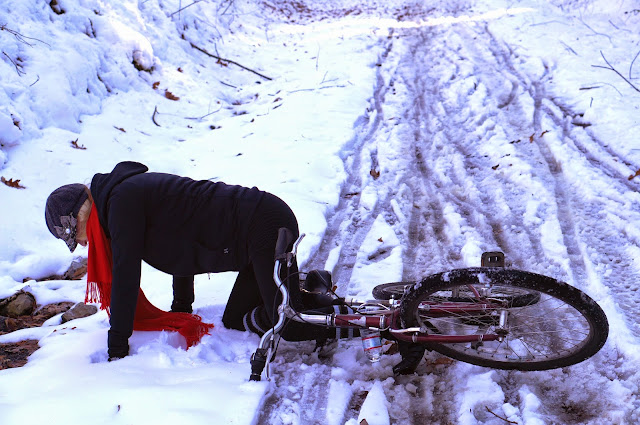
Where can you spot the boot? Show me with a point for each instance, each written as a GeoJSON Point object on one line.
{"type": "Point", "coordinates": [412, 355]}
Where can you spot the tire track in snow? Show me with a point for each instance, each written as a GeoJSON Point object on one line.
{"type": "Point", "coordinates": [349, 224]}
{"type": "Point", "coordinates": [457, 99]}
{"type": "Point", "coordinates": [303, 395]}
{"type": "Point", "coordinates": [446, 129]}
{"type": "Point", "coordinates": [469, 171]}
{"type": "Point", "coordinates": [594, 217]}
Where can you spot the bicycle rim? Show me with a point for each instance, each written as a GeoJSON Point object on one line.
{"type": "Point", "coordinates": [510, 296]}
{"type": "Point", "coordinates": [386, 291]}
{"type": "Point", "coordinates": [556, 327]}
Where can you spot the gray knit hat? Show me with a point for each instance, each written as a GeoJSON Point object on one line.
{"type": "Point", "coordinates": [61, 212]}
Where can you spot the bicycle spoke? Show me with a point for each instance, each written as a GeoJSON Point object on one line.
{"type": "Point", "coordinates": [533, 328]}
{"type": "Point", "coordinates": [522, 320]}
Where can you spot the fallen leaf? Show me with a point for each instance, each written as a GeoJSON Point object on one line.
{"type": "Point", "coordinates": [443, 361]}
{"type": "Point", "coordinates": [156, 85]}
{"type": "Point", "coordinates": [12, 183]}
{"type": "Point", "coordinates": [375, 174]}
{"type": "Point", "coordinates": [634, 175]}
{"type": "Point", "coordinates": [75, 145]}
{"type": "Point", "coordinates": [170, 95]}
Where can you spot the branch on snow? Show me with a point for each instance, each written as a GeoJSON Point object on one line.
{"type": "Point", "coordinates": [229, 61]}
{"type": "Point", "coordinates": [20, 37]}
{"type": "Point", "coordinates": [631, 66]}
{"type": "Point", "coordinates": [611, 68]}
{"type": "Point", "coordinates": [153, 117]}
{"type": "Point", "coordinates": [23, 39]}
{"type": "Point", "coordinates": [17, 66]}
{"type": "Point", "coordinates": [499, 417]}
{"type": "Point", "coordinates": [180, 10]}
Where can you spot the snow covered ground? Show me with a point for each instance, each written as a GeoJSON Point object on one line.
{"type": "Point", "coordinates": [407, 136]}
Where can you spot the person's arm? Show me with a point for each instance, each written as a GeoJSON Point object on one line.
{"type": "Point", "coordinates": [127, 229]}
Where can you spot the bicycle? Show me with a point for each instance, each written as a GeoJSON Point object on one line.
{"type": "Point", "coordinates": [489, 316]}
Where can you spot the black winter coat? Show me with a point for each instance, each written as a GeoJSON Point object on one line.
{"type": "Point", "coordinates": [177, 225]}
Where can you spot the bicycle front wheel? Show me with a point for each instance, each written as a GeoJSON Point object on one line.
{"type": "Point", "coordinates": [540, 323]}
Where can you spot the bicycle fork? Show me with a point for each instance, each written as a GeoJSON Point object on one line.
{"type": "Point", "coordinates": [261, 358]}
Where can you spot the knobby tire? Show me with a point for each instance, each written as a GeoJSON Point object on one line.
{"type": "Point", "coordinates": [551, 324]}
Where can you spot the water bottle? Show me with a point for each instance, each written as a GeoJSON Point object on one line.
{"type": "Point", "coordinates": [372, 344]}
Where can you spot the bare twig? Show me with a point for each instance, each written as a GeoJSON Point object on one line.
{"type": "Point", "coordinates": [229, 61]}
{"type": "Point", "coordinates": [153, 117]}
{"type": "Point", "coordinates": [227, 84]}
{"type": "Point", "coordinates": [618, 28]}
{"type": "Point", "coordinates": [317, 88]}
{"type": "Point", "coordinates": [500, 417]}
{"type": "Point", "coordinates": [20, 37]}
{"type": "Point", "coordinates": [598, 86]}
{"type": "Point", "coordinates": [180, 10]}
{"type": "Point", "coordinates": [611, 68]}
{"type": "Point", "coordinates": [204, 116]}
{"type": "Point", "coordinates": [544, 23]}
{"type": "Point", "coordinates": [566, 46]}
{"type": "Point", "coordinates": [596, 32]}
{"type": "Point", "coordinates": [224, 12]}
{"type": "Point", "coordinates": [18, 70]}
{"type": "Point", "coordinates": [631, 66]}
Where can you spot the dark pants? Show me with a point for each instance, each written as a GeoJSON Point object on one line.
{"type": "Point", "coordinates": [254, 285]}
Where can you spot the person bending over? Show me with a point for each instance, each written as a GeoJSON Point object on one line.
{"type": "Point", "coordinates": [182, 227]}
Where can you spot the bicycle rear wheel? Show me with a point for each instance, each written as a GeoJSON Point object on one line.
{"type": "Point", "coordinates": [511, 297]}
{"type": "Point", "coordinates": [546, 324]}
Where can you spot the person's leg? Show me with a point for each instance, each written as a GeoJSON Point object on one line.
{"type": "Point", "coordinates": [270, 216]}
{"type": "Point", "coordinates": [244, 297]}
{"type": "Point", "coordinates": [183, 294]}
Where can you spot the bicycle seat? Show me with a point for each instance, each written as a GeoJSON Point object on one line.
{"type": "Point", "coordinates": [317, 289]}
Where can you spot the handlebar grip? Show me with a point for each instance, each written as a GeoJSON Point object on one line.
{"type": "Point", "coordinates": [285, 237]}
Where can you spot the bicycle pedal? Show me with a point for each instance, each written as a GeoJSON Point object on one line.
{"type": "Point", "coordinates": [492, 259]}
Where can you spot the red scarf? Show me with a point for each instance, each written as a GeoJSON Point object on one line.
{"type": "Point", "coordinates": [148, 317]}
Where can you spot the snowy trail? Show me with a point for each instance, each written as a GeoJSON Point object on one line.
{"type": "Point", "coordinates": [409, 136]}
{"type": "Point", "coordinates": [458, 123]}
